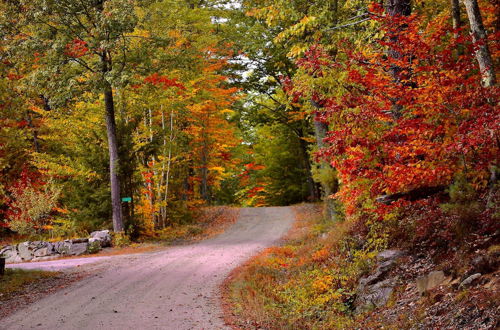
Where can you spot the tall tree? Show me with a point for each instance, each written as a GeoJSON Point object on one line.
{"type": "Point", "coordinates": [80, 47]}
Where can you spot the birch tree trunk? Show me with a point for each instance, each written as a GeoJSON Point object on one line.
{"type": "Point", "coordinates": [479, 36]}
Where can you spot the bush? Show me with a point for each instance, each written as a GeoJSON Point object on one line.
{"type": "Point", "coordinates": [121, 239]}
{"type": "Point", "coordinates": [31, 207]}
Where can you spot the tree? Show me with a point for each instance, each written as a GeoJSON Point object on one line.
{"type": "Point", "coordinates": [479, 37]}
{"type": "Point", "coordinates": [82, 46]}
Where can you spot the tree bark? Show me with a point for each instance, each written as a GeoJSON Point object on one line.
{"type": "Point", "coordinates": [311, 185]}
{"type": "Point", "coordinates": [113, 159]}
{"type": "Point", "coordinates": [397, 8]}
{"type": "Point", "coordinates": [456, 22]}
{"type": "Point", "coordinates": [320, 131]}
{"type": "Point", "coordinates": [455, 14]}
{"type": "Point", "coordinates": [479, 37]}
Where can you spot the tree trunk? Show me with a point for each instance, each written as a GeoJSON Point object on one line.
{"type": "Point", "coordinates": [456, 22]}
{"type": "Point", "coordinates": [205, 193]}
{"type": "Point", "coordinates": [398, 7]}
{"type": "Point", "coordinates": [113, 159]}
{"type": "Point", "coordinates": [455, 14]}
{"type": "Point", "coordinates": [479, 37]}
{"type": "Point", "coordinates": [311, 185]}
{"type": "Point", "coordinates": [320, 131]}
{"type": "Point", "coordinates": [29, 119]}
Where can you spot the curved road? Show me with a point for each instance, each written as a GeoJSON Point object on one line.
{"type": "Point", "coordinates": [176, 288]}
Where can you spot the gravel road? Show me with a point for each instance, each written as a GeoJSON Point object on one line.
{"type": "Point", "coordinates": [176, 288]}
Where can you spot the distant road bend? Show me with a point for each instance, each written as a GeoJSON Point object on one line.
{"type": "Point", "coordinates": [176, 288]}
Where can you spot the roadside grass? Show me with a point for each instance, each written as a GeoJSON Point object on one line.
{"type": "Point", "coordinates": [17, 280]}
{"type": "Point", "coordinates": [306, 283]}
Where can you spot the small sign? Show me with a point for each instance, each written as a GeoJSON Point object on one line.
{"type": "Point", "coordinates": [127, 199]}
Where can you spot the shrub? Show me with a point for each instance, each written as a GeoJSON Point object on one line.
{"type": "Point", "coordinates": [31, 207]}
{"type": "Point", "coordinates": [121, 239]}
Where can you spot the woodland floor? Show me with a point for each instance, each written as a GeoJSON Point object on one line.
{"type": "Point", "coordinates": [175, 288]}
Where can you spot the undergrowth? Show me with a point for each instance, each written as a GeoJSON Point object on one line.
{"type": "Point", "coordinates": [210, 221]}
{"type": "Point", "coordinates": [308, 283]}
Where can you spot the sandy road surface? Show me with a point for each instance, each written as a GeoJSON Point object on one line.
{"type": "Point", "coordinates": [171, 289]}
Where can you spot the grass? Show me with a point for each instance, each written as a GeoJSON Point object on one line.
{"type": "Point", "coordinates": [17, 280]}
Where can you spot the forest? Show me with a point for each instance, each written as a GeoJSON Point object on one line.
{"type": "Point", "coordinates": [136, 115]}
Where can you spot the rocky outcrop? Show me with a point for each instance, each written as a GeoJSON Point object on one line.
{"type": "Point", "coordinates": [41, 250]}
{"type": "Point", "coordinates": [375, 290]}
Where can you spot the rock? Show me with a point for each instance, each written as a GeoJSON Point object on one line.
{"type": "Point", "coordinates": [62, 247]}
{"type": "Point", "coordinates": [389, 255]}
{"type": "Point", "coordinates": [46, 249]}
{"type": "Point", "coordinates": [377, 295]}
{"type": "Point", "coordinates": [79, 240]}
{"type": "Point", "coordinates": [67, 247]}
{"type": "Point", "coordinates": [6, 248]}
{"type": "Point", "coordinates": [430, 281]}
{"type": "Point", "coordinates": [78, 249]}
{"type": "Point", "coordinates": [103, 236]}
{"type": "Point", "coordinates": [468, 281]}
{"type": "Point", "coordinates": [25, 251]}
{"type": "Point", "coordinates": [375, 290]}
{"type": "Point", "coordinates": [10, 254]}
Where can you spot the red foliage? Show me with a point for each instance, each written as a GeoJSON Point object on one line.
{"type": "Point", "coordinates": [408, 121]}
{"type": "Point", "coordinates": [164, 82]}
{"type": "Point", "coordinates": [77, 48]}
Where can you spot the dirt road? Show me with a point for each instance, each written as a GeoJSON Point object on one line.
{"type": "Point", "coordinates": [176, 288]}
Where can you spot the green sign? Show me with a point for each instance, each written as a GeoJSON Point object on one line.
{"type": "Point", "coordinates": [126, 199]}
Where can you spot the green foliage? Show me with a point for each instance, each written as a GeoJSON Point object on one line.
{"type": "Point", "coordinates": [278, 149]}
{"type": "Point", "coordinates": [62, 228]}
{"type": "Point", "coordinates": [94, 247]}
{"type": "Point", "coordinates": [326, 175]}
{"type": "Point", "coordinates": [463, 205]}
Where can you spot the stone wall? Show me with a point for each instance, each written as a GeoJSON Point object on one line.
{"type": "Point", "coordinates": [41, 250]}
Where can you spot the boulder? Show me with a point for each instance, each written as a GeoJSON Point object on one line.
{"type": "Point", "coordinates": [69, 248]}
{"type": "Point", "coordinates": [430, 281]}
{"type": "Point", "coordinates": [375, 290]}
{"type": "Point", "coordinates": [468, 281]}
{"type": "Point", "coordinates": [387, 255]}
{"type": "Point", "coordinates": [103, 236]}
{"type": "Point", "coordinates": [78, 249]}
{"type": "Point", "coordinates": [25, 251]}
{"type": "Point", "coordinates": [62, 247]}
{"type": "Point", "coordinates": [79, 240]}
{"type": "Point", "coordinates": [10, 254]}
{"type": "Point", "coordinates": [43, 250]}
{"type": "Point", "coordinates": [373, 296]}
